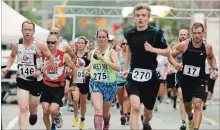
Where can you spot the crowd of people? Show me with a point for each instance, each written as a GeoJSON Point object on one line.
{"type": "Point", "coordinates": [134, 71]}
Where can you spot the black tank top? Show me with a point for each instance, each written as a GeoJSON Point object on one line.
{"type": "Point", "coordinates": [194, 61]}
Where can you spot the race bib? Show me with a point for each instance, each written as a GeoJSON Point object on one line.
{"type": "Point", "coordinates": [100, 76]}
{"type": "Point", "coordinates": [141, 75]}
{"type": "Point", "coordinates": [80, 76]}
{"type": "Point", "coordinates": [26, 58]}
{"type": "Point", "coordinates": [191, 70]}
{"type": "Point", "coordinates": [26, 70]}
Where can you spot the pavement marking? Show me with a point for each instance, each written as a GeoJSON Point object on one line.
{"type": "Point", "coordinates": [12, 123]}
{"type": "Point", "coordinates": [212, 122]}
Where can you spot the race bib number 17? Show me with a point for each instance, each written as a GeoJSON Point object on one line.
{"type": "Point", "coordinates": [191, 70]}
{"type": "Point", "coordinates": [141, 75]}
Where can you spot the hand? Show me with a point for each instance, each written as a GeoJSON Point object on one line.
{"type": "Point", "coordinates": [169, 71]}
{"type": "Point", "coordinates": [86, 72]}
{"type": "Point", "coordinates": [178, 67]}
{"type": "Point", "coordinates": [37, 73]}
{"type": "Point", "coordinates": [4, 71]}
{"type": "Point", "coordinates": [124, 74]}
{"type": "Point", "coordinates": [148, 47]}
{"type": "Point", "coordinates": [66, 90]}
{"type": "Point", "coordinates": [99, 56]}
{"type": "Point", "coordinates": [214, 74]}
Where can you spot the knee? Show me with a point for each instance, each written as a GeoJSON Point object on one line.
{"type": "Point", "coordinates": [97, 109]}
{"type": "Point", "coordinates": [197, 105]}
{"type": "Point", "coordinates": [46, 112]}
{"type": "Point", "coordinates": [125, 98]}
{"type": "Point", "coordinates": [83, 103]}
{"type": "Point", "coordinates": [53, 111]}
{"type": "Point", "coordinates": [136, 108]}
{"type": "Point", "coordinates": [23, 109]}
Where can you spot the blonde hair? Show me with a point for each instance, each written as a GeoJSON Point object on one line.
{"type": "Point", "coordinates": [140, 6]}
{"type": "Point", "coordinates": [102, 30]}
{"type": "Point", "coordinates": [28, 22]}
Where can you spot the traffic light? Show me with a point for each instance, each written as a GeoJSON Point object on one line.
{"type": "Point", "coordinates": [60, 21]}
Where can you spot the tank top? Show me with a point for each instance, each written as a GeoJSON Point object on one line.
{"type": "Point", "coordinates": [194, 61]}
{"type": "Point", "coordinates": [118, 74]}
{"type": "Point", "coordinates": [82, 62]}
{"type": "Point", "coordinates": [54, 76]}
{"type": "Point", "coordinates": [100, 71]}
{"type": "Point", "coordinates": [28, 61]}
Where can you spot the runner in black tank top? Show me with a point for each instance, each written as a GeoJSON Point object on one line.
{"type": "Point", "coordinates": [192, 81]}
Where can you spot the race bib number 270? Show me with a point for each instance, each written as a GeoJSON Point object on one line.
{"type": "Point", "coordinates": [141, 75]}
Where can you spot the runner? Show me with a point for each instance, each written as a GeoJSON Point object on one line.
{"type": "Point", "coordinates": [82, 82]}
{"type": "Point", "coordinates": [104, 62]}
{"type": "Point", "coordinates": [29, 54]}
{"type": "Point", "coordinates": [144, 42]}
{"type": "Point", "coordinates": [121, 83]}
{"type": "Point", "coordinates": [54, 82]}
{"type": "Point", "coordinates": [193, 71]}
{"type": "Point", "coordinates": [182, 36]}
{"type": "Point", "coordinates": [162, 69]}
{"type": "Point", "coordinates": [91, 45]}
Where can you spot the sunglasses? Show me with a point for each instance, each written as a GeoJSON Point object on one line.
{"type": "Point", "coordinates": [53, 32]}
{"type": "Point", "coordinates": [51, 42]}
{"type": "Point", "coordinates": [124, 43]}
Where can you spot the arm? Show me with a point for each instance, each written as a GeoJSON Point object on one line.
{"type": "Point", "coordinates": [69, 62]}
{"type": "Point", "coordinates": [180, 48]}
{"type": "Point", "coordinates": [69, 50]}
{"type": "Point", "coordinates": [115, 61]}
{"type": "Point", "coordinates": [46, 52]}
{"type": "Point", "coordinates": [210, 56]}
{"type": "Point", "coordinates": [127, 58]}
{"type": "Point", "coordinates": [12, 55]}
{"type": "Point", "coordinates": [163, 52]}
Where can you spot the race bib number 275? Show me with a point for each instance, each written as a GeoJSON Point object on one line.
{"type": "Point", "coordinates": [141, 75]}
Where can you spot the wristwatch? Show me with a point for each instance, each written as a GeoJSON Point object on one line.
{"type": "Point", "coordinates": [73, 84]}
{"type": "Point", "coordinates": [215, 69]}
{"type": "Point", "coordinates": [41, 70]}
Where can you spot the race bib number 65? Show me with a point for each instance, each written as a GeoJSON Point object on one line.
{"type": "Point", "coordinates": [141, 75]}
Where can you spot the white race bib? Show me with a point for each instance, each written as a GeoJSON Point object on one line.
{"type": "Point", "coordinates": [191, 70]}
{"type": "Point", "coordinates": [100, 76]}
{"type": "Point", "coordinates": [141, 75]}
{"type": "Point", "coordinates": [80, 76]}
{"type": "Point", "coordinates": [26, 70]}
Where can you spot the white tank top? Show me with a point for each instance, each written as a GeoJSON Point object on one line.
{"type": "Point", "coordinates": [28, 60]}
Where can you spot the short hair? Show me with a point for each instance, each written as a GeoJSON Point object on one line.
{"type": "Point", "coordinates": [140, 6]}
{"type": "Point", "coordinates": [102, 30]}
{"type": "Point", "coordinates": [84, 38]}
{"type": "Point", "coordinates": [28, 22]}
{"type": "Point", "coordinates": [197, 25]}
{"type": "Point", "coordinates": [91, 41]}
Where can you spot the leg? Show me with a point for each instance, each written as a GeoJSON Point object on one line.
{"type": "Point", "coordinates": [97, 100]}
{"type": "Point", "coordinates": [126, 108]}
{"type": "Point", "coordinates": [56, 115]}
{"type": "Point", "coordinates": [46, 115]}
{"type": "Point", "coordinates": [147, 115]}
{"type": "Point", "coordinates": [197, 112]}
{"type": "Point", "coordinates": [135, 111]}
{"type": "Point", "coordinates": [120, 95]}
{"type": "Point", "coordinates": [83, 98]}
{"type": "Point", "coordinates": [75, 101]}
{"type": "Point", "coordinates": [33, 105]}
{"type": "Point", "coordinates": [23, 102]}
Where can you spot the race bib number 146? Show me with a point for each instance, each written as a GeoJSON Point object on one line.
{"type": "Point", "coordinates": [141, 75]}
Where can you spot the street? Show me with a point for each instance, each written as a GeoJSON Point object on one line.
{"type": "Point", "coordinates": [165, 118]}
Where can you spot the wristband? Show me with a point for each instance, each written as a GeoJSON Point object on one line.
{"type": "Point", "coordinates": [73, 84]}
{"type": "Point", "coordinates": [41, 70]}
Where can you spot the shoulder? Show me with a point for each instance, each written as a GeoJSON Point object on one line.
{"type": "Point", "coordinates": [40, 44]}
{"type": "Point", "coordinates": [129, 32]}
{"type": "Point", "coordinates": [154, 29]}
{"type": "Point", "coordinates": [182, 45]}
{"type": "Point", "coordinates": [208, 46]}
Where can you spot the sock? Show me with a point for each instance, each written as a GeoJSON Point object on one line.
{"type": "Point", "coordinates": [98, 122]}
{"type": "Point", "coordinates": [158, 98]}
{"type": "Point", "coordinates": [174, 99]}
{"type": "Point", "coordinates": [82, 118]}
{"type": "Point", "coordinates": [196, 129]}
{"type": "Point", "coordinates": [169, 95]}
{"type": "Point", "coordinates": [183, 122]}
